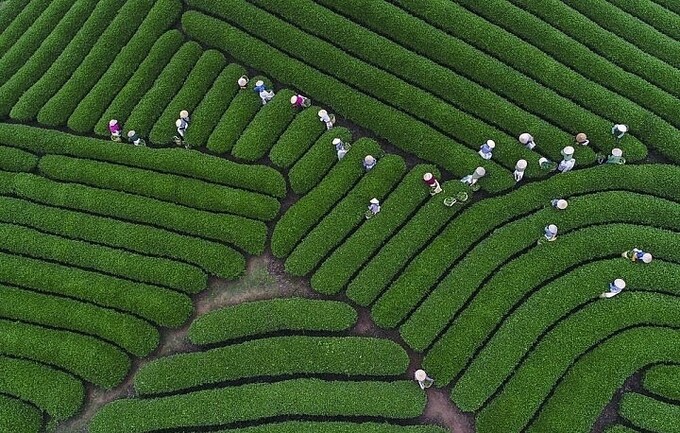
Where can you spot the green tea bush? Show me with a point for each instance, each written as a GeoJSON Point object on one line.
{"type": "Point", "coordinates": [304, 214]}
{"type": "Point", "coordinates": [189, 95]}
{"type": "Point", "coordinates": [272, 315]}
{"type": "Point", "coordinates": [161, 306]}
{"type": "Point", "coordinates": [270, 357]}
{"type": "Point", "coordinates": [85, 357]}
{"type": "Point", "coordinates": [142, 79]}
{"type": "Point", "coordinates": [33, 243]}
{"type": "Point", "coordinates": [591, 383]}
{"type": "Point", "coordinates": [167, 85]}
{"type": "Point", "coordinates": [19, 417]}
{"type": "Point", "coordinates": [401, 130]}
{"type": "Point", "coordinates": [238, 115]}
{"type": "Point", "coordinates": [345, 216]}
{"type": "Point", "coordinates": [34, 67]}
{"type": "Point", "coordinates": [406, 198]}
{"type": "Point", "coordinates": [242, 232]}
{"type": "Point", "coordinates": [214, 258]}
{"type": "Point", "coordinates": [119, 31]}
{"type": "Point", "coordinates": [314, 165]}
{"type": "Point", "coordinates": [649, 414]}
{"type": "Point", "coordinates": [194, 164]}
{"type": "Point", "coordinates": [300, 135]}
{"type": "Point", "coordinates": [265, 128]}
{"type": "Point", "coordinates": [129, 59]}
{"type": "Point", "coordinates": [52, 391]}
{"type": "Point", "coordinates": [213, 105]}
{"type": "Point", "coordinates": [193, 193]}
{"type": "Point", "coordinates": [663, 380]}
{"type": "Point", "coordinates": [130, 333]}
{"type": "Point", "coordinates": [11, 11]}
{"type": "Point", "coordinates": [311, 397]}
{"type": "Point", "coordinates": [12, 159]}
{"type": "Point", "coordinates": [652, 13]}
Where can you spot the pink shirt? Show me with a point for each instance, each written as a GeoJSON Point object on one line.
{"type": "Point", "coordinates": [114, 129]}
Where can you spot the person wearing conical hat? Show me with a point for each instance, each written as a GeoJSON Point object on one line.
{"type": "Point", "coordinates": [299, 101]}
{"type": "Point", "coordinates": [527, 140]}
{"type": "Point", "coordinates": [181, 127]}
{"type": "Point", "coordinates": [424, 381]}
{"type": "Point", "coordinates": [115, 130]}
{"type": "Point", "coordinates": [432, 182]}
{"type": "Point", "coordinates": [374, 206]}
{"type": "Point", "coordinates": [486, 149]}
{"type": "Point", "coordinates": [184, 115]}
{"type": "Point", "coordinates": [614, 288]}
{"type": "Point", "coordinates": [636, 255]}
{"type": "Point", "coordinates": [243, 82]}
{"type": "Point", "coordinates": [619, 130]}
{"type": "Point", "coordinates": [259, 87]}
{"type": "Point", "coordinates": [550, 232]}
{"type": "Point", "coordinates": [339, 148]}
{"type": "Point", "coordinates": [616, 157]}
{"type": "Point", "coordinates": [568, 162]}
{"type": "Point", "coordinates": [582, 139]}
{"type": "Point", "coordinates": [134, 138]}
{"type": "Point", "coordinates": [326, 118]}
{"type": "Point", "coordinates": [369, 162]}
{"type": "Point", "coordinates": [518, 174]}
{"type": "Point", "coordinates": [472, 179]}
{"type": "Point", "coordinates": [559, 203]}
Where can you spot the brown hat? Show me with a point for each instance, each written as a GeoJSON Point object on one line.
{"type": "Point", "coordinates": [581, 137]}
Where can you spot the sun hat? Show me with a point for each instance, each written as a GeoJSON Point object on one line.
{"type": "Point", "coordinates": [375, 201]}
{"type": "Point", "coordinates": [646, 258]}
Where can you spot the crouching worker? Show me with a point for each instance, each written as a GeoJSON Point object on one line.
{"type": "Point", "coordinates": [340, 147]}
{"type": "Point", "coordinates": [135, 139]}
{"type": "Point", "coordinates": [424, 381]}
{"type": "Point", "coordinates": [614, 288]}
{"type": "Point", "coordinates": [115, 130]}
{"type": "Point", "coordinates": [636, 255]}
{"type": "Point", "coordinates": [373, 208]}
{"type": "Point", "coordinates": [299, 101]}
{"type": "Point", "coordinates": [432, 182]}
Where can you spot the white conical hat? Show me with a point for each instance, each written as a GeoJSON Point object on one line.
{"type": "Point", "coordinates": [542, 160]}
{"type": "Point", "coordinates": [427, 176]}
{"type": "Point", "coordinates": [552, 228]}
{"type": "Point", "coordinates": [491, 143]}
{"type": "Point", "coordinates": [242, 81]}
{"type": "Point", "coordinates": [521, 164]}
{"type": "Point", "coordinates": [480, 171]}
{"type": "Point", "coordinates": [337, 141]}
{"type": "Point", "coordinates": [617, 152]}
{"type": "Point", "coordinates": [568, 150]}
{"type": "Point", "coordinates": [562, 204]}
{"type": "Point", "coordinates": [525, 137]}
{"type": "Point", "coordinates": [131, 133]}
{"type": "Point", "coordinates": [178, 123]}
{"type": "Point", "coordinates": [619, 283]}
{"type": "Point", "coordinates": [112, 122]}
{"type": "Point", "coordinates": [420, 375]}
{"type": "Point", "coordinates": [622, 128]}
{"type": "Point", "coordinates": [374, 200]}
{"type": "Point", "coordinates": [646, 258]}
{"type": "Point", "coordinates": [293, 99]}
{"type": "Point", "coordinates": [184, 113]}
{"type": "Point", "coordinates": [369, 159]}
{"type": "Point", "coordinates": [322, 113]}
{"type": "Point", "coordinates": [259, 83]}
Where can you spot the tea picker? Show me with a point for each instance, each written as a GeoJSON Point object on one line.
{"type": "Point", "coordinates": [115, 130]}
{"type": "Point", "coordinates": [243, 82]}
{"type": "Point", "coordinates": [181, 130]}
{"type": "Point", "coordinates": [369, 162]}
{"type": "Point", "coordinates": [299, 101]}
{"type": "Point", "coordinates": [636, 255]}
{"type": "Point", "coordinates": [266, 96]}
{"type": "Point", "coordinates": [259, 87]}
{"type": "Point", "coordinates": [327, 119]}
{"type": "Point", "coordinates": [549, 234]}
{"type": "Point", "coordinates": [568, 162]}
{"type": "Point", "coordinates": [424, 381]}
{"type": "Point", "coordinates": [616, 157]}
{"type": "Point", "coordinates": [373, 208]}
{"type": "Point", "coordinates": [614, 288]}
{"type": "Point", "coordinates": [485, 151]}
{"type": "Point", "coordinates": [134, 138]}
{"type": "Point", "coordinates": [582, 139]}
{"type": "Point", "coordinates": [518, 174]}
{"type": "Point", "coordinates": [559, 203]}
{"type": "Point", "coordinates": [619, 130]}
{"type": "Point", "coordinates": [527, 140]}
{"type": "Point", "coordinates": [432, 182]}
{"type": "Point", "coordinates": [340, 147]}
{"type": "Point", "coordinates": [471, 179]}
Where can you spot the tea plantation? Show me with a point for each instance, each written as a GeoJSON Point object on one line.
{"type": "Point", "coordinates": [127, 225]}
